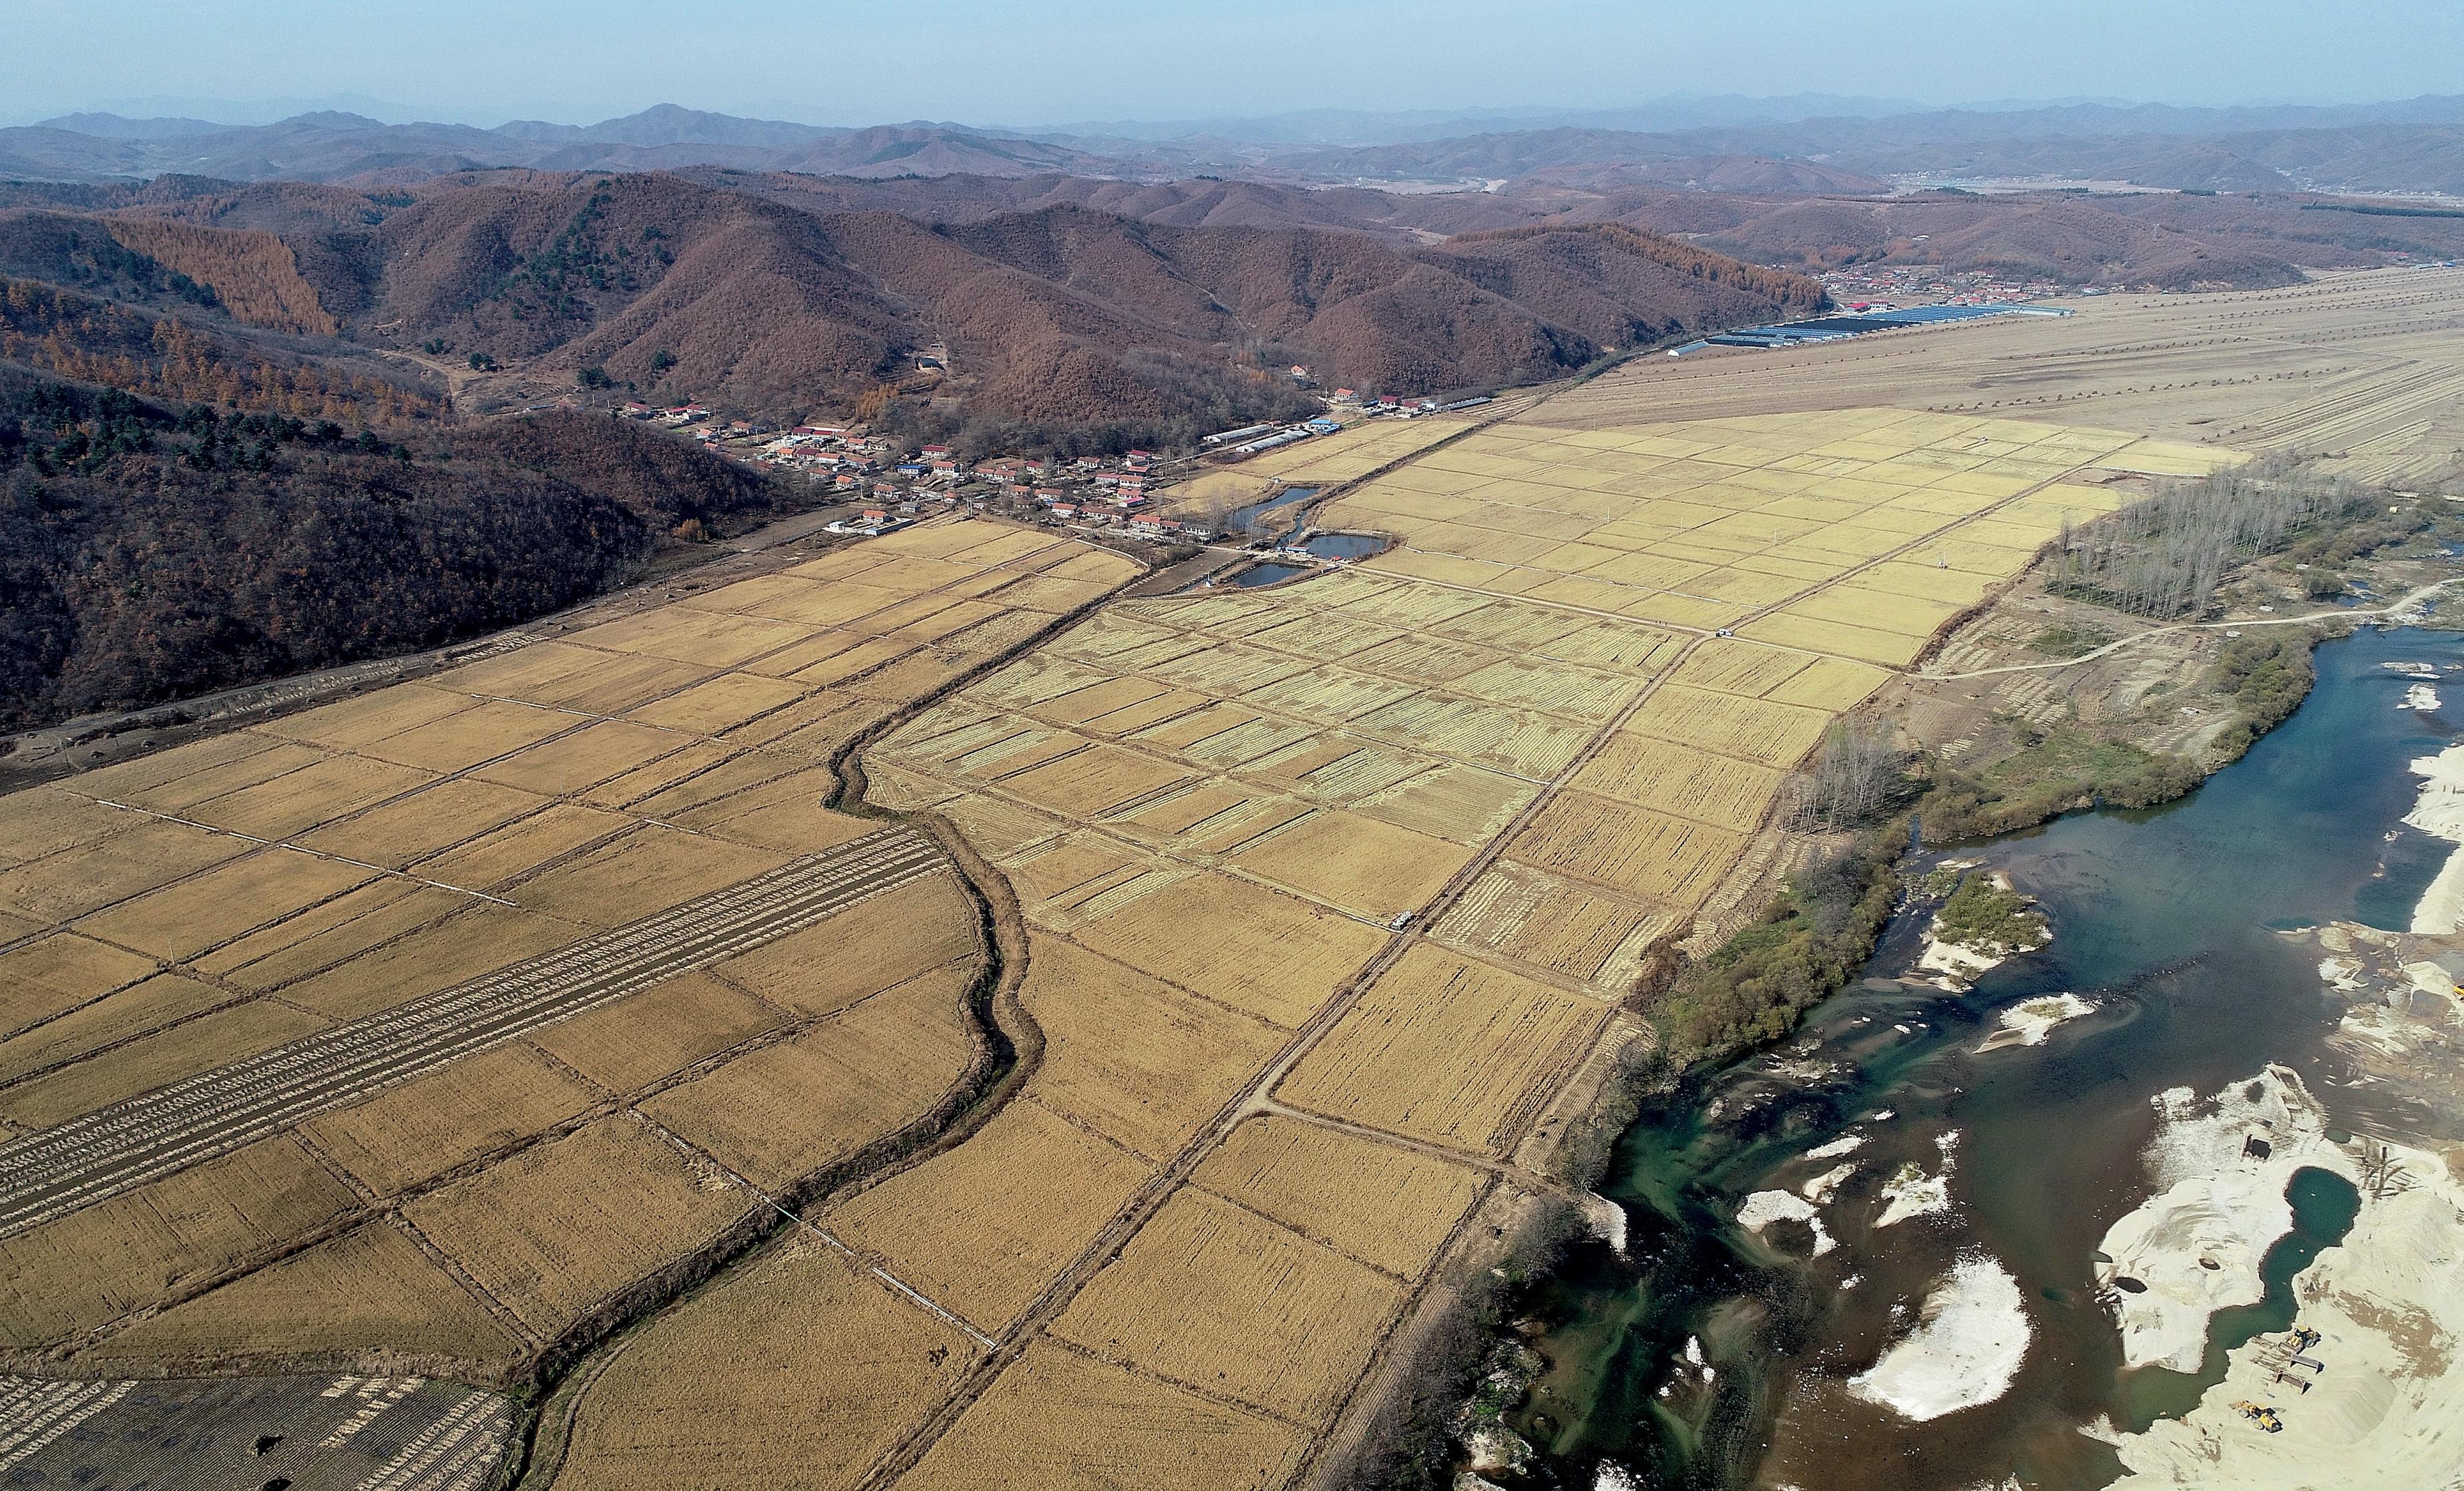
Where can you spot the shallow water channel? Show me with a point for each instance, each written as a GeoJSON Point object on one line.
{"type": "Point", "coordinates": [1242, 519]}
{"type": "Point", "coordinates": [2164, 922]}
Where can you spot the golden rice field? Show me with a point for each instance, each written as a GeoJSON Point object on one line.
{"type": "Point", "coordinates": [1253, 1121]}
{"type": "Point", "coordinates": [747, 1357]}
{"type": "Point", "coordinates": [1212, 805]}
{"type": "Point", "coordinates": [1208, 1293]}
{"type": "Point", "coordinates": [1062, 1417]}
{"type": "Point", "coordinates": [421, 835]}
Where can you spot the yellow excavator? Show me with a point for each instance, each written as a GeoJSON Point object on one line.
{"type": "Point", "coordinates": [2261, 1415]}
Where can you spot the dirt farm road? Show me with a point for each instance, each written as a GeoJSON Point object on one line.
{"type": "Point", "coordinates": [2405, 606]}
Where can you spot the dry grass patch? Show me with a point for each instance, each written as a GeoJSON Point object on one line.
{"type": "Point", "coordinates": [135, 780]}
{"type": "Point", "coordinates": [555, 1230]}
{"type": "Point", "coordinates": [431, 1124]}
{"type": "Point", "coordinates": [368, 1290]}
{"type": "Point", "coordinates": [1057, 1420]}
{"type": "Point", "coordinates": [1654, 856]}
{"type": "Point", "coordinates": [478, 940]}
{"type": "Point", "coordinates": [982, 1228]}
{"type": "Point", "coordinates": [41, 978]}
{"type": "Point", "coordinates": [663, 1029]}
{"type": "Point", "coordinates": [211, 778]}
{"type": "Point", "coordinates": [154, 1060]}
{"type": "Point", "coordinates": [1543, 920]}
{"type": "Point", "coordinates": [324, 936]}
{"type": "Point", "coordinates": [1221, 1299]}
{"type": "Point", "coordinates": [1798, 629]}
{"type": "Point", "coordinates": [784, 813]}
{"type": "Point", "coordinates": [722, 779]}
{"type": "Point", "coordinates": [88, 876]}
{"type": "Point", "coordinates": [1272, 956]}
{"type": "Point", "coordinates": [1442, 1048]}
{"type": "Point", "coordinates": [1832, 684]}
{"type": "Point", "coordinates": [353, 723]}
{"type": "Point", "coordinates": [1385, 1206]}
{"type": "Point", "coordinates": [872, 945]}
{"type": "Point", "coordinates": [717, 704]}
{"type": "Point", "coordinates": [123, 1254]}
{"type": "Point", "coordinates": [131, 1012]}
{"type": "Point", "coordinates": [1464, 803]}
{"type": "Point", "coordinates": [657, 776]}
{"type": "Point", "coordinates": [1359, 863]}
{"type": "Point", "coordinates": [492, 859]}
{"type": "Point", "coordinates": [1095, 781]}
{"type": "Point", "coordinates": [783, 1112]}
{"type": "Point", "coordinates": [645, 872]}
{"type": "Point", "coordinates": [612, 683]}
{"type": "Point", "coordinates": [1133, 1059]}
{"type": "Point", "coordinates": [1750, 730]}
{"type": "Point", "coordinates": [703, 638]}
{"type": "Point", "coordinates": [736, 1388]}
{"type": "Point", "coordinates": [471, 735]}
{"type": "Point", "coordinates": [1069, 867]}
{"type": "Point", "coordinates": [207, 909]}
{"type": "Point", "coordinates": [416, 826]}
{"type": "Point", "coordinates": [594, 753]}
{"type": "Point", "coordinates": [301, 800]}
{"type": "Point", "coordinates": [1681, 780]}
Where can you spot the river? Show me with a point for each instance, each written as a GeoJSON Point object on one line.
{"type": "Point", "coordinates": [1713, 1356]}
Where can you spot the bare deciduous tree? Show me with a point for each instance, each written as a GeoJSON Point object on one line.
{"type": "Point", "coordinates": [1859, 773]}
{"type": "Point", "coordinates": [2165, 557]}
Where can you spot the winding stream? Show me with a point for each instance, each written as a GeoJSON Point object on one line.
{"type": "Point", "coordinates": [2165, 924]}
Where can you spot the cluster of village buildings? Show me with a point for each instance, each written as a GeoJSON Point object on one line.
{"type": "Point", "coordinates": [895, 481]}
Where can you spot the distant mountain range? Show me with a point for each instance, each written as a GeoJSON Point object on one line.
{"type": "Point", "coordinates": [1861, 146]}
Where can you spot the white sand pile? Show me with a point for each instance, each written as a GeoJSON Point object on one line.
{"type": "Point", "coordinates": [2420, 696]}
{"type": "Point", "coordinates": [1766, 1207]}
{"type": "Point", "coordinates": [2387, 1410]}
{"type": "Point", "coordinates": [1954, 966]}
{"type": "Point", "coordinates": [1821, 1187]}
{"type": "Point", "coordinates": [1968, 1346]}
{"type": "Point", "coordinates": [1845, 1144]}
{"type": "Point", "coordinates": [2029, 1021]}
{"type": "Point", "coordinates": [1911, 1192]}
{"type": "Point", "coordinates": [2440, 814]}
{"type": "Point", "coordinates": [2196, 1245]}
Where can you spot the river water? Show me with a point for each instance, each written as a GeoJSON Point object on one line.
{"type": "Point", "coordinates": [2165, 923]}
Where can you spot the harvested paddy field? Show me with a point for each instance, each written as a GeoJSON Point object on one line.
{"type": "Point", "coordinates": [2364, 365]}
{"type": "Point", "coordinates": [438, 1023]}
{"type": "Point", "coordinates": [1327, 891]}
{"type": "Point", "coordinates": [1530, 675]}
{"type": "Point", "coordinates": [1381, 855]}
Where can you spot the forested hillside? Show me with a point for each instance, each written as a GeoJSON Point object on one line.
{"type": "Point", "coordinates": [151, 550]}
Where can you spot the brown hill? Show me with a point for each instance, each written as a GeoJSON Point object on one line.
{"type": "Point", "coordinates": [1056, 313]}
{"type": "Point", "coordinates": [2052, 236]}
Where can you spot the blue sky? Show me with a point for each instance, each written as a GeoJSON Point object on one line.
{"type": "Point", "coordinates": [1058, 61]}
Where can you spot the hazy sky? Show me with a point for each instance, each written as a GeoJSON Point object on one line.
{"type": "Point", "coordinates": [1036, 61]}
